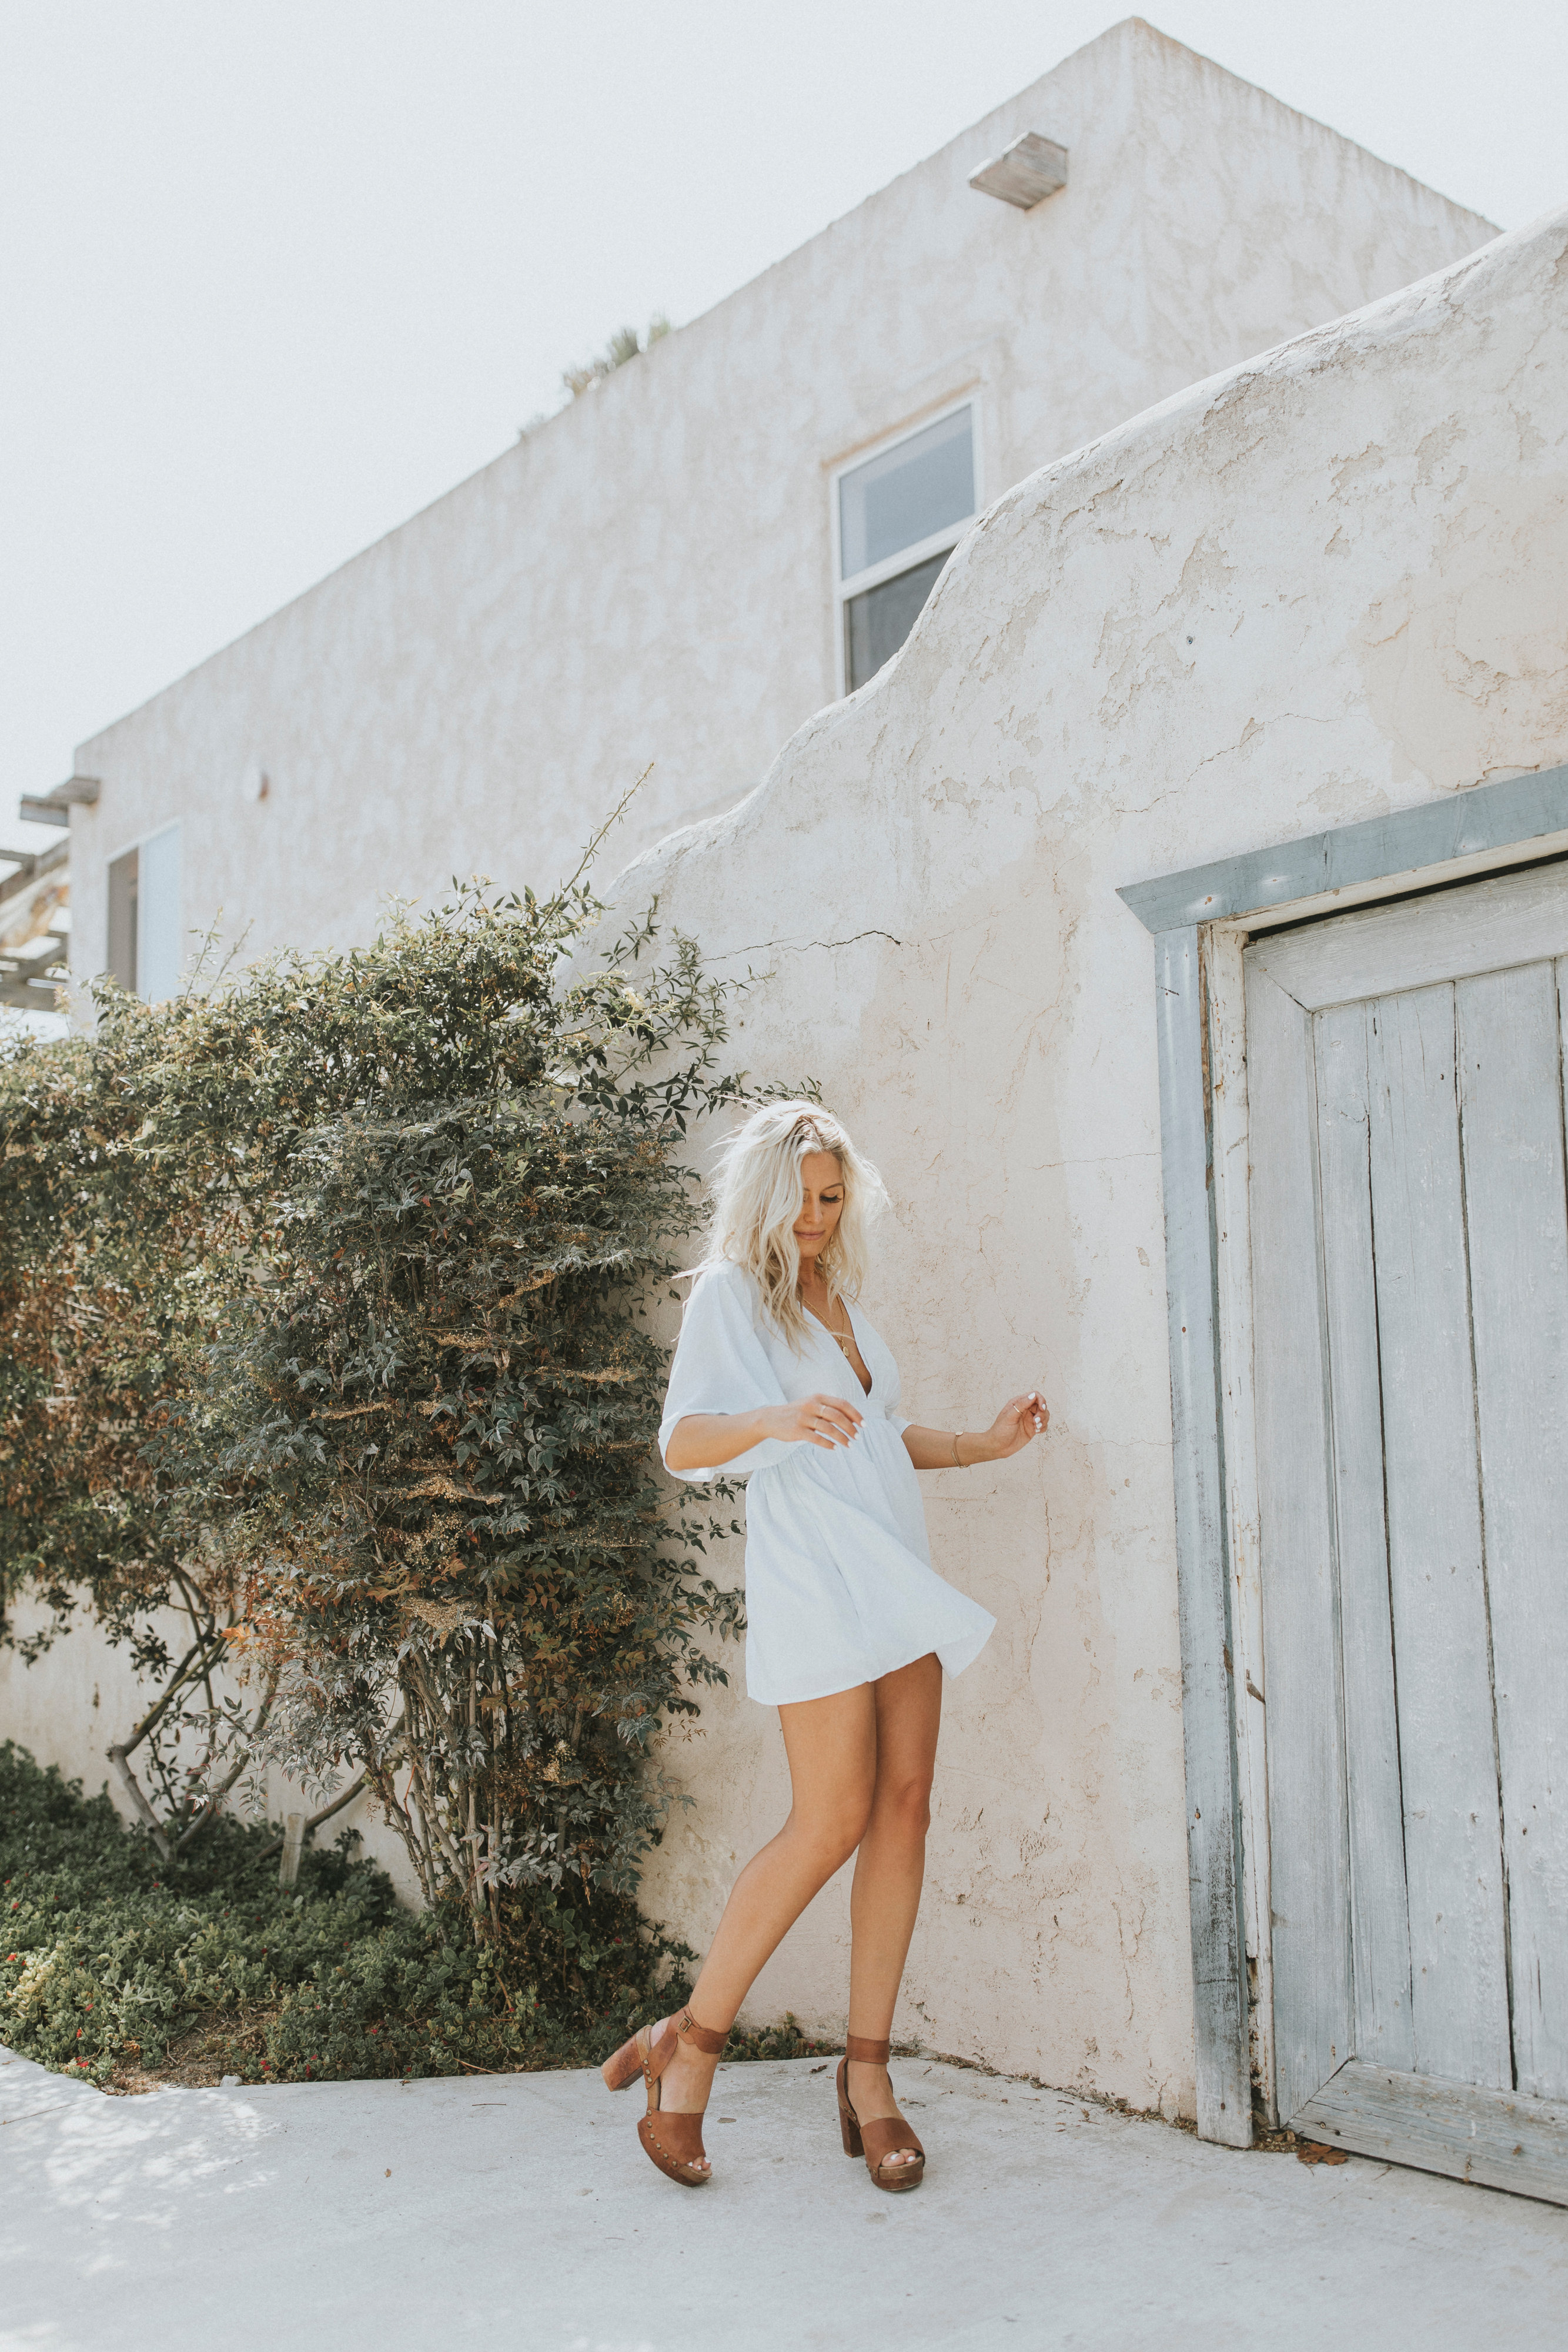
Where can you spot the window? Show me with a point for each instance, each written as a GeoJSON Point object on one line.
{"type": "Point", "coordinates": [121, 956]}
{"type": "Point", "coordinates": [899, 515]}
{"type": "Point", "coordinates": [144, 929]}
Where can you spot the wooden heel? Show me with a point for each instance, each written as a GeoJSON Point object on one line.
{"type": "Point", "coordinates": [673, 2141]}
{"type": "Point", "coordinates": [623, 2070]}
{"type": "Point", "coordinates": [882, 2136]}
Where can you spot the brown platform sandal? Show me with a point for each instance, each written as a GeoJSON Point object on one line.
{"type": "Point", "coordinates": [878, 2140]}
{"type": "Point", "coordinates": [673, 2141]}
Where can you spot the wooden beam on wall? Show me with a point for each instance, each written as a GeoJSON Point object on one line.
{"type": "Point", "coordinates": [1477, 830]}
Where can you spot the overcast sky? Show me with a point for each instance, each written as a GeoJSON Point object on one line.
{"type": "Point", "coordinates": [277, 273]}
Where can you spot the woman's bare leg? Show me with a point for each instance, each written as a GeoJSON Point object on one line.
{"type": "Point", "coordinates": [831, 1745]}
{"type": "Point", "coordinates": [885, 1894]}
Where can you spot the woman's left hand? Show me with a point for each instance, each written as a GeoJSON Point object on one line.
{"type": "Point", "coordinates": [1019, 1420]}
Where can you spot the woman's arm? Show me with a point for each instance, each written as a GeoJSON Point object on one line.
{"type": "Point", "coordinates": [706, 1441]}
{"type": "Point", "coordinates": [1019, 1420]}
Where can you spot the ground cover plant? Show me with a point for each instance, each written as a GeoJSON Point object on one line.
{"type": "Point", "coordinates": [125, 1970]}
{"type": "Point", "coordinates": [324, 1320]}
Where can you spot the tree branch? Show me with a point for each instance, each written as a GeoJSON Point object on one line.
{"type": "Point", "coordinates": [144, 1812]}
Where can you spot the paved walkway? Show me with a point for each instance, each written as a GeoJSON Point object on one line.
{"type": "Point", "coordinates": [518, 2211]}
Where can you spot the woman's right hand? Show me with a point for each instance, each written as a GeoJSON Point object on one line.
{"type": "Point", "coordinates": [826, 1421]}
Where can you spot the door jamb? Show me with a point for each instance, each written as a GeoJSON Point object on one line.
{"type": "Point", "coordinates": [1201, 919]}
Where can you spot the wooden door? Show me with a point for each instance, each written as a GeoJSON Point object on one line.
{"type": "Point", "coordinates": [1410, 1264]}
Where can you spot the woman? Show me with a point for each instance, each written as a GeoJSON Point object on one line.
{"type": "Point", "coordinates": [779, 1378]}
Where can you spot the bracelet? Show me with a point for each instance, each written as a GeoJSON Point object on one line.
{"type": "Point", "coordinates": [956, 1455]}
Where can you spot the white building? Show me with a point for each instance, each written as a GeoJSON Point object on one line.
{"type": "Point", "coordinates": [1201, 867]}
{"type": "Point", "coordinates": [689, 560]}
{"type": "Point", "coordinates": [1192, 893]}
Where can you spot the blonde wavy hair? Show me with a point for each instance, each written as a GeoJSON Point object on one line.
{"type": "Point", "coordinates": [757, 1199]}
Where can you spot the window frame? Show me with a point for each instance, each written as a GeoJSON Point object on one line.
{"type": "Point", "coordinates": [134, 848]}
{"type": "Point", "coordinates": [920, 550]}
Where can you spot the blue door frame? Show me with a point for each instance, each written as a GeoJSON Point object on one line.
{"type": "Point", "coordinates": [1481, 830]}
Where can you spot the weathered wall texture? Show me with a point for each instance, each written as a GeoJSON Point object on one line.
{"type": "Point", "coordinates": [648, 576]}
{"type": "Point", "coordinates": [83, 1695]}
{"type": "Point", "coordinates": [1330, 584]}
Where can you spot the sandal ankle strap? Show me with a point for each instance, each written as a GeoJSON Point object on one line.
{"type": "Point", "coordinates": [861, 2053]}
{"type": "Point", "coordinates": [682, 2027]}
{"type": "Point", "coordinates": [702, 2037]}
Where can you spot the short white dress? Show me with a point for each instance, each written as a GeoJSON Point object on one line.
{"type": "Point", "coordinates": [840, 1588]}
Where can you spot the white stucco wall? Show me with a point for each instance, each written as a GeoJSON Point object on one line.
{"type": "Point", "coordinates": [83, 1695]}
{"type": "Point", "coordinates": [648, 577]}
{"type": "Point", "coordinates": [1330, 584]}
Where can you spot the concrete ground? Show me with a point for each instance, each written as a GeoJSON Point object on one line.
{"type": "Point", "coordinates": [520, 2211]}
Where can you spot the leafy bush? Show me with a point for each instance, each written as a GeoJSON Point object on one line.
{"type": "Point", "coordinates": [422, 1455]}
{"type": "Point", "coordinates": [349, 1355]}
{"type": "Point", "coordinates": [94, 1239]}
{"type": "Point", "coordinates": [113, 1964]}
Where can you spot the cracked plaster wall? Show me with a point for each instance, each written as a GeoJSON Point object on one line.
{"type": "Point", "coordinates": [1332, 583]}
{"type": "Point", "coordinates": [647, 577]}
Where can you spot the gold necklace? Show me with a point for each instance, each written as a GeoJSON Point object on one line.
{"type": "Point", "coordinates": [846, 1340]}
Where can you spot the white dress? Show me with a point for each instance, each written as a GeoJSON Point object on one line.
{"type": "Point", "coordinates": [840, 1588]}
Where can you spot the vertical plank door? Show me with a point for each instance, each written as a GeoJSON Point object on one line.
{"type": "Point", "coordinates": [1511, 1061]}
{"type": "Point", "coordinates": [1410, 1265]}
{"type": "Point", "coordinates": [1430, 1472]}
{"type": "Point", "coordinates": [1379, 1910]}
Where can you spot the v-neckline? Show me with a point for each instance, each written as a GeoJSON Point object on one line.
{"type": "Point", "coordinates": [854, 1335]}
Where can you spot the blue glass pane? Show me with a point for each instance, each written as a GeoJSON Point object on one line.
{"type": "Point", "coordinates": [897, 499]}
{"type": "Point", "coordinates": [876, 623]}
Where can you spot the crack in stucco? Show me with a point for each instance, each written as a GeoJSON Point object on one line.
{"type": "Point", "coordinates": [800, 947]}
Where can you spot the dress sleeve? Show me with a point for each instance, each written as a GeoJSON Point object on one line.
{"type": "Point", "coordinates": [721, 1366]}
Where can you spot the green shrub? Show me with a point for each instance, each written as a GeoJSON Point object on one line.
{"type": "Point", "coordinates": [323, 1314]}
{"type": "Point", "coordinates": [420, 1451]}
{"type": "Point", "coordinates": [112, 1961]}
{"type": "Point", "coordinates": [99, 1320]}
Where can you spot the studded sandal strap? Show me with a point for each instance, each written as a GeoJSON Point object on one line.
{"type": "Point", "coordinates": [888, 2135]}
{"type": "Point", "coordinates": [862, 2052]}
{"type": "Point", "coordinates": [701, 2037]}
{"type": "Point", "coordinates": [682, 2027]}
{"type": "Point", "coordinates": [680, 2138]}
